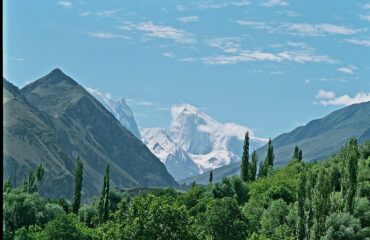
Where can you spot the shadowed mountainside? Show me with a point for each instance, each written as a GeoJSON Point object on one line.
{"type": "Point", "coordinates": [80, 126]}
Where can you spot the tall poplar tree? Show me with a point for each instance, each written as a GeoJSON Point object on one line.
{"type": "Point", "coordinates": [245, 159]}
{"type": "Point", "coordinates": [260, 169]}
{"type": "Point", "coordinates": [107, 192]}
{"type": "Point", "coordinates": [301, 196]}
{"type": "Point", "coordinates": [270, 154]}
{"type": "Point", "coordinates": [300, 155]}
{"type": "Point", "coordinates": [309, 192]}
{"type": "Point", "coordinates": [103, 207]}
{"type": "Point", "coordinates": [321, 205]}
{"type": "Point", "coordinates": [296, 152]}
{"type": "Point", "coordinates": [40, 173]}
{"type": "Point", "coordinates": [351, 156]}
{"type": "Point", "coordinates": [210, 176]}
{"type": "Point", "coordinates": [76, 200]}
{"type": "Point", "coordinates": [269, 160]}
{"type": "Point", "coordinates": [253, 168]}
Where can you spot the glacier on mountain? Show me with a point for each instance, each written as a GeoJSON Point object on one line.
{"type": "Point", "coordinates": [196, 142]}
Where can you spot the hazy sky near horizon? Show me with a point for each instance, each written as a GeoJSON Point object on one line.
{"type": "Point", "coordinates": [270, 65]}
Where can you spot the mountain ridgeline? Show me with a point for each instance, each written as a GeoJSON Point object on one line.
{"type": "Point", "coordinates": [53, 121]}
{"type": "Point", "coordinates": [318, 140]}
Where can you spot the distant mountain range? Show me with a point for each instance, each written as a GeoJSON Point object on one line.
{"type": "Point", "coordinates": [54, 120]}
{"type": "Point", "coordinates": [317, 139]}
{"type": "Point", "coordinates": [195, 142]}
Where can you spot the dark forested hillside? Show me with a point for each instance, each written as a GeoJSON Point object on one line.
{"type": "Point", "coordinates": [80, 126]}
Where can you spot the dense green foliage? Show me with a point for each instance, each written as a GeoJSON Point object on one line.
{"type": "Point", "coordinates": [324, 200]}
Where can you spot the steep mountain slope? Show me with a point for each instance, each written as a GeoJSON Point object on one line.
{"type": "Point", "coordinates": [317, 139]}
{"type": "Point", "coordinates": [119, 109]}
{"type": "Point", "coordinates": [85, 128]}
{"type": "Point", "coordinates": [198, 137]}
{"type": "Point", "coordinates": [29, 139]}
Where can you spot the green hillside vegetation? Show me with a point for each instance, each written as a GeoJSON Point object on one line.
{"type": "Point", "coordinates": [317, 139]}
{"type": "Point", "coordinates": [53, 121]}
{"type": "Point", "coordinates": [319, 200]}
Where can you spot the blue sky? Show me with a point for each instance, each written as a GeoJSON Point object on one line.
{"type": "Point", "coordinates": [270, 65]}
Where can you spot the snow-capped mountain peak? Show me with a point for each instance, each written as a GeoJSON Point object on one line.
{"type": "Point", "coordinates": [118, 108]}
{"type": "Point", "coordinates": [209, 143]}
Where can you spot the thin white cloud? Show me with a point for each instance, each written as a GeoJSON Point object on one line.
{"type": "Point", "coordinates": [365, 17]}
{"type": "Point", "coordinates": [158, 31]}
{"type": "Point", "coordinates": [366, 6]}
{"type": "Point", "coordinates": [84, 14]}
{"type": "Point", "coordinates": [169, 54]}
{"type": "Point", "coordinates": [288, 13]}
{"type": "Point", "coordinates": [271, 3]}
{"type": "Point", "coordinates": [346, 100]}
{"type": "Point", "coordinates": [307, 81]}
{"type": "Point", "coordinates": [325, 94]}
{"type": "Point", "coordinates": [226, 44]}
{"type": "Point", "coordinates": [126, 27]}
{"type": "Point", "coordinates": [298, 44]}
{"type": "Point", "coordinates": [302, 29]}
{"type": "Point", "coordinates": [305, 29]}
{"type": "Point", "coordinates": [345, 70]}
{"type": "Point", "coordinates": [108, 13]}
{"type": "Point", "coordinates": [241, 3]}
{"type": "Point", "coordinates": [106, 35]}
{"type": "Point", "coordinates": [255, 25]}
{"type": "Point", "coordinates": [6, 56]}
{"type": "Point", "coordinates": [18, 59]}
{"type": "Point", "coordinates": [211, 4]}
{"type": "Point", "coordinates": [188, 19]}
{"type": "Point", "coordinates": [163, 109]}
{"type": "Point", "coordinates": [140, 102]}
{"type": "Point", "coordinates": [65, 4]}
{"type": "Point", "coordinates": [359, 42]}
{"type": "Point", "coordinates": [144, 103]}
{"type": "Point", "coordinates": [335, 29]}
{"type": "Point", "coordinates": [276, 73]}
{"type": "Point", "coordinates": [181, 8]}
{"type": "Point", "coordinates": [300, 56]}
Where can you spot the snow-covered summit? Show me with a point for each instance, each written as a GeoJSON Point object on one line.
{"type": "Point", "coordinates": [209, 143]}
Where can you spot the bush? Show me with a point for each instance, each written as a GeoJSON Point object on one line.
{"type": "Point", "coordinates": [224, 220]}
{"type": "Point", "coordinates": [273, 217]}
{"type": "Point", "coordinates": [342, 226]}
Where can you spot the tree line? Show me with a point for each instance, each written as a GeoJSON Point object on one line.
{"type": "Point", "coordinates": [319, 200]}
